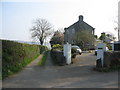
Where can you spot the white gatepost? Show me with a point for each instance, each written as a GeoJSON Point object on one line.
{"type": "Point", "coordinates": [113, 47]}
{"type": "Point", "coordinates": [100, 55]}
{"type": "Point", "coordinates": [67, 53]}
{"type": "Point", "coordinates": [101, 48]}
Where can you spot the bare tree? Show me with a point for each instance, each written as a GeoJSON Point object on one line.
{"type": "Point", "coordinates": [41, 30]}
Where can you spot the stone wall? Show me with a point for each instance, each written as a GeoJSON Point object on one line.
{"type": "Point", "coordinates": [111, 58]}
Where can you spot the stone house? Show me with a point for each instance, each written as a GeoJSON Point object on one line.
{"type": "Point", "coordinates": [76, 27]}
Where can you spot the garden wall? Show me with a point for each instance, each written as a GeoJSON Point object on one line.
{"type": "Point", "coordinates": [111, 58]}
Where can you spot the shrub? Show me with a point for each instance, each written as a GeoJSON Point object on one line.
{"type": "Point", "coordinates": [73, 52]}
{"type": "Point", "coordinates": [57, 47]}
{"type": "Point", "coordinates": [108, 45]}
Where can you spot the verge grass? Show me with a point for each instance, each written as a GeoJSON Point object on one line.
{"type": "Point", "coordinates": [43, 59]}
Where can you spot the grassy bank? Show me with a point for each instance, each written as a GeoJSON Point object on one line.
{"type": "Point", "coordinates": [15, 56]}
{"type": "Point", "coordinates": [43, 59]}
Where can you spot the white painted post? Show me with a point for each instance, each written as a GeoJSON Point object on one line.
{"type": "Point", "coordinates": [101, 47]}
{"type": "Point", "coordinates": [100, 55]}
{"type": "Point", "coordinates": [67, 53]}
{"type": "Point", "coordinates": [113, 47]}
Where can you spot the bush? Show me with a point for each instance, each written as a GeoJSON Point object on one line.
{"type": "Point", "coordinates": [57, 47]}
{"type": "Point", "coordinates": [73, 52]}
{"type": "Point", "coordinates": [17, 55]}
{"type": "Point", "coordinates": [108, 45]}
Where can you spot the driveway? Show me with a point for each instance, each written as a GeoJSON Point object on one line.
{"type": "Point", "coordinates": [77, 75]}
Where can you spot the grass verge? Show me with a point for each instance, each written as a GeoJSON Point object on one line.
{"type": "Point", "coordinates": [43, 59]}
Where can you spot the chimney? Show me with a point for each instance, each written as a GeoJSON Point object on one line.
{"type": "Point", "coordinates": [80, 18]}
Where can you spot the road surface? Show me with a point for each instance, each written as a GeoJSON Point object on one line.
{"type": "Point", "coordinates": [77, 75]}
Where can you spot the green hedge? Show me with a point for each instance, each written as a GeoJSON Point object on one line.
{"type": "Point", "coordinates": [17, 55]}
{"type": "Point", "coordinates": [111, 58]}
{"type": "Point", "coordinates": [57, 57]}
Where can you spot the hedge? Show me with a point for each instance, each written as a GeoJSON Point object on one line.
{"type": "Point", "coordinates": [57, 55]}
{"type": "Point", "coordinates": [58, 58]}
{"type": "Point", "coordinates": [111, 62]}
{"type": "Point", "coordinates": [15, 56]}
{"type": "Point", "coordinates": [111, 58]}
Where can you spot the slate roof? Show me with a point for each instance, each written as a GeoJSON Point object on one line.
{"type": "Point", "coordinates": [80, 24]}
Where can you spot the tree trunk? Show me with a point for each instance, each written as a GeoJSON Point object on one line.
{"type": "Point", "coordinates": [41, 41]}
{"type": "Point", "coordinates": [41, 49]}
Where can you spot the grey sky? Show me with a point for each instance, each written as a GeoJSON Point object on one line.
{"type": "Point", "coordinates": [17, 17]}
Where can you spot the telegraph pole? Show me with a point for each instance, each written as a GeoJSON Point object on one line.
{"type": "Point", "coordinates": [119, 21]}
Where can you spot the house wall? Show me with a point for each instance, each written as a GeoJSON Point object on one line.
{"type": "Point", "coordinates": [70, 32]}
{"type": "Point", "coordinates": [69, 35]}
{"type": "Point", "coordinates": [76, 27]}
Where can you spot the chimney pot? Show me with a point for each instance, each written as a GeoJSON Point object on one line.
{"type": "Point", "coordinates": [80, 18]}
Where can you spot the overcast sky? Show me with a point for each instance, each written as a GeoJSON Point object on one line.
{"type": "Point", "coordinates": [17, 17]}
